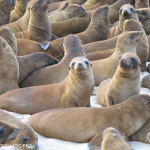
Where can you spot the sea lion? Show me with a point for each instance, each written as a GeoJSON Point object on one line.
{"type": "Point", "coordinates": [10, 38]}
{"type": "Point", "coordinates": [88, 124]}
{"type": "Point", "coordinates": [32, 62]}
{"type": "Point", "coordinates": [8, 132]}
{"type": "Point", "coordinates": [19, 10]}
{"type": "Point", "coordinates": [39, 28]}
{"type": "Point", "coordinates": [74, 91]}
{"type": "Point", "coordinates": [71, 11]}
{"type": "Point", "coordinates": [26, 136]}
{"type": "Point", "coordinates": [112, 140]}
{"type": "Point", "coordinates": [146, 81]}
{"type": "Point", "coordinates": [141, 4]}
{"type": "Point", "coordinates": [127, 11]}
{"type": "Point", "coordinates": [127, 42]}
{"type": "Point", "coordinates": [21, 24]}
{"type": "Point", "coordinates": [9, 72]}
{"type": "Point", "coordinates": [124, 84]}
{"type": "Point", "coordinates": [5, 8]}
{"type": "Point", "coordinates": [48, 75]}
{"type": "Point", "coordinates": [143, 134]}
{"type": "Point", "coordinates": [98, 47]}
{"type": "Point", "coordinates": [144, 17]}
{"type": "Point", "coordinates": [98, 28]}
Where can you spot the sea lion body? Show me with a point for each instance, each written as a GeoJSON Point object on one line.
{"type": "Point", "coordinates": [141, 4]}
{"type": "Point", "coordinates": [58, 123]}
{"type": "Point", "coordinates": [112, 140]}
{"type": "Point", "coordinates": [74, 91]}
{"type": "Point", "coordinates": [146, 81]}
{"type": "Point", "coordinates": [127, 77]}
{"type": "Point", "coordinates": [72, 48]}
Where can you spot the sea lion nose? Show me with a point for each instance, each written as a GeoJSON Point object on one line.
{"type": "Point", "coordinates": [1, 130]}
{"type": "Point", "coordinates": [79, 64]}
{"type": "Point", "coordinates": [126, 13]}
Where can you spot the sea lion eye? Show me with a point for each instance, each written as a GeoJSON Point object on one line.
{"type": "Point", "coordinates": [25, 139]}
{"type": "Point", "coordinates": [143, 12]}
{"type": "Point", "coordinates": [87, 63]}
{"type": "Point", "coordinates": [133, 60]}
{"type": "Point", "coordinates": [120, 11]}
{"type": "Point", "coordinates": [132, 10]}
{"type": "Point", "coordinates": [1, 130]}
{"type": "Point", "coordinates": [120, 57]}
{"type": "Point", "coordinates": [73, 63]}
{"type": "Point", "coordinates": [132, 36]}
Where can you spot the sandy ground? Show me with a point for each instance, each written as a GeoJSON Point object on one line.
{"type": "Point", "coordinates": [55, 144]}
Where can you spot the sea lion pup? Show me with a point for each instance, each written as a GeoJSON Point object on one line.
{"type": "Point", "coordinates": [146, 81]}
{"type": "Point", "coordinates": [98, 28]}
{"type": "Point", "coordinates": [112, 140]}
{"type": "Point", "coordinates": [32, 62]}
{"type": "Point", "coordinates": [141, 4]}
{"type": "Point", "coordinates": [21, 24]}
{"type": "Point", "coordinates": [5, 8]}
{"type": "Point", "coordinates": [8, 132]}
{"type": "Point", "coordinates": [39, 28]}
{"type": "Point", "coordinates": [73, 48]}
{"type": "Point", "coordinates": [143, 134]}
{"type": "Point", "coordinates": [127, 11]}
{"type": "Point", "coordinates": [114, 10]}
{"type": "Point", "coordinates": [63, 124]}
{"type": "Point", "coordinates": [144, 17]}
{"type": "Point", "coordinates": [26, 136]}
{"type": "Point", "coordinates": [74, 91]}
{"type": "Point", "coordinates": [9, 73]}
{"type": "Point", "coordinates": [10, 38]}
{"type": "Point", "coordinates": [124, 84]}
{"type": "Point", "coordinates": [71, 11]}
{"type": "Point", "coordinates": [18, 12]}
{"type": "Point", "coordinates": [127, 42]}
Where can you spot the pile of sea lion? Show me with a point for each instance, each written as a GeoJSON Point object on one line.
{"type": "Point", "coordinates": [52, 55]}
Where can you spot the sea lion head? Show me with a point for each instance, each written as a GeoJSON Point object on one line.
{"type": "Point", "coordinates": [101, 15]}
{"type": "Point", "coordinates": [41, 59]}
{"type": "Point", "coordinates": [148, 137]}
{"type": "Point", "coordinates": [75, 10]}
{"type": "Point", "coordinates": [127, 11]}
{"type": "Point", "coordinates": [128, 40]}
{"type": "Point", "coordinates": [73, 46]}
{"type": "Point", "coordinates": [10, 38]}
{"type": "Point", "coordinates": [40, 5]}
{"type": "Point", "coordinates": [26, 139]}
{"type": "Point", "coordinates": [129, 63]}
{"type": "Point", "coordinates": [8, 132]}
{"type": "Point", "coordinates": [141, 4]}
{"type": "Point", "coordinates": [80, 66]}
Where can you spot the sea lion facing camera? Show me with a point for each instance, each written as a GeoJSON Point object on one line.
{"type": "Point", "coordinates": [124, 84]}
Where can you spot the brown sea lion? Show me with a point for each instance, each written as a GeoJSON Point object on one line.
{"type": "Point", "coordinates": [5, 8]}
{"type": "Point", "coordinates": [143, 134]}
{"type": "Point", "coordinates": [124, 84]}
{"type": "Point", "coordinates": [144, 17]}
{"type": "Point", "coordinates": [112, 140]}
{"type": "Point", "coordinates": [26, 136]}
{"type": "Point", "coordinates": [127, 42]}
{"type": "Point", "coordinates": [32, 62]}
{"type": "Point", "coordinates": [21, 24]}
{"type": "Point", "coordinates": [10, 38]}
{"type": "Point", "coordinates": [146, 81]}
{"type": "Point", "coordinates": [8, 132]}
{"type": "Point", "coordinates": [141, 4]}
{"type": "Point", "coordinates": [39, 28]}
{"type": "Point", "coordinates": [48, 75]}
{"type": "Point", "coordinates": [71, 11]}
{"type": "Point", "coordinates": [87, 125]}
{"type": "Point", "coordinates": [19, 10]}
{"type": "Point", "coordinates": [9, 72]}
{"type": "Point", "coordinates": [127, 11]}
{"type": "Point", "coordinates": [74, 91]}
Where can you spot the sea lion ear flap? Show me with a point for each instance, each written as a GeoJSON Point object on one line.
{"type": "Point", "coordinates": [69, 68]}
{"type": "Point", "coordinates": [91, 64]}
